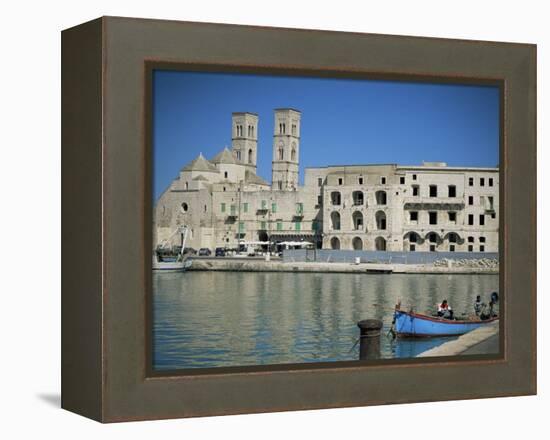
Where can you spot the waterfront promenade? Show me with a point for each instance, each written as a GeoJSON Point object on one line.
{"type": "Point", "coordinates": [278, 265]}
{"type": "Point", "coordinates": [484, 340]}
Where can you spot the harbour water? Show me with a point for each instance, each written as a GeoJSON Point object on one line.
{"type": "Point", "coordinates": [221, 319]}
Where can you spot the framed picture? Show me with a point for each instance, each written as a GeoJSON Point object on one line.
{"type": "Point", "coordinates": [262, 219]}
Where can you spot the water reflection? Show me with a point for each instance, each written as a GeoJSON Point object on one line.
{"type": "Point", "coordinates": [214, 319]}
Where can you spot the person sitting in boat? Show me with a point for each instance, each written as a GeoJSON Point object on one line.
{"type": "Point", "coordinates": [491, 310]}
{"type": "Point", "coordinates": [477, 305]}
{"type": "Point", "coordinates": [444, 310]}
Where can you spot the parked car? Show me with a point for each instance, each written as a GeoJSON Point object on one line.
{"type": "Point", "coordinates": [204, 252]}
{"type": "Point", "coordinates": [189, 251]}
{"type": "Point", "coordinates": [220, 252]}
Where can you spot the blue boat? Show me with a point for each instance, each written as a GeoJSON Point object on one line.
{"type": "Point", "coordinates": [411, 324]}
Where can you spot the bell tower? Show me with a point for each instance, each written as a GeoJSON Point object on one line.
{"type": "Point", "coordinates": [286, 150]}
{"type": "Point", "coordinates": [244, 139]}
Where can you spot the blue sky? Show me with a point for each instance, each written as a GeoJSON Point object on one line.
{"type": "Point", "coordinates": [344, 121]}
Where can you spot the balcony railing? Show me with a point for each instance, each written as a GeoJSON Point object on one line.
{"type": "Point", "coordinates": [444, 203]}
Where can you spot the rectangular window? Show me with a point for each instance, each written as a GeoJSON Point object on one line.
{"type": "Point", "coordinates": [297, 226]}
{"type": "Point", "coordinates": [383, 180]}
{"type": "Point", "coordinates": [245, 207]}
{"type": "Point", "coordinates": [279, 226]}
{"type": "Point", "coordinates": [452, 217]}
{"type": "Point", "coordinates": [451, 248]}
{"type": "Point", "coordinates": [471, 181]}
{"type": "Point", "coordinates": [233, 209]}
{"type": "Point", "coordinates": [481, 181]}
{"type": "Point", "coordinates": [491, 202]}
{"type": "Point", "coordinates": [482, 239]}
{"type": "Point", "coordinates": [470, 248]}
{"type": "Point", "coordinates": [241, 227]}
{"type": "Point", "coordinates": [433, 190]}
{"type": "Point", "coordinates": [274, 207]}
{"type": "Point", "coordinates": [433, 218]}
{"type": "Point", "coordinates": [263, 225]}
{"type": "Point", "coordinates": [414, 216]}
{"type": "Point", "coordinates": [360, 181]}
{"type": "Point", "coordinates": [481, 220]}
{"type": "Point", "coordinates": [470, 219]}
{"type": "Point", "coordinates": [414, 176]}
{"type": "Point", "coordinates": [470, 239]}
{"type": "Point", "coordinates": [320, 181]}
{"type": "Point", "coordinates": [482, 248]}
{"type": "Point", "coordinates": [319, 200]}
{"type": "Point", "coordinates": [432, 248]}
{"type": "Point", "coordinates": [402, 180]}
{"type": "Point", "coordinates": [223, 207]}
{"type": "Point", "coordinates": [491, 182]}
{"type": "Point", "coordinates": [470, 200]}
{"type": "Point", "coordinates": [340, 181]}
{"type": "Point", "coordinates": [412, 247]}
{"type": "Point", "coordinates": [416, 190]}
{"type": "Point", "coordinates": [493, 215]}
{"type": "Point", "coordinates": [452, 191]}
{"type": "Point", "coordinates": [280, 184]}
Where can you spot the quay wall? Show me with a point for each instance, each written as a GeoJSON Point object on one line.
{"type": "Point", "coordinates": [259, 265]}
{"type": "Point", "coordinates": [391, 257]}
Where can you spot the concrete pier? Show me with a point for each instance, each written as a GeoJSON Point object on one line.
{"type": "Point", "coordinates": [483, 340]}
{"type": "Point", "coordinates": [277, 265]}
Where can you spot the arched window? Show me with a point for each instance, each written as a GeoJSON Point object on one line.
{"type": "Point", "coordinates": [293, 153]}
{"type": "Point", "coordinates": [380, 243]}
{"type": "Point", "coordinates": [186, 185]}
{"type": "Point", "coordinates": [281, 153]}
{"type": "Point", "coordinates": [432, 237]}
{"type": "Point", "coordinates": [357, 218]}
{"type": "Point", "coordinates": [381, 197]}
{"type": "Point", "coordinates": [380, 217]}
{"type": "Point", "coordinates": [334, 243]}
{"type": "Point", "coordinates": [184, 207]}
{"type": "Point", "coordinates": [357, 244]}
{"type": "Point", "coordinates": [413, 237]}
{"type": "Point", "coordinates": [358, 198]}
{"type": "Point", "coordinates": [250, 156]}
{"type": "Point", "coordinates": [335, 220]}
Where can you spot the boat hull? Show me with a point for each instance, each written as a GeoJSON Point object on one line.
{"type": "Point", "coordinates": [408, 324]}
{"type": "Point", "coordinates": [170, 266]}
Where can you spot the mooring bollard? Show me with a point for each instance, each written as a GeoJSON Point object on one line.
{"type": "Point", "coordinates": [369, 339]}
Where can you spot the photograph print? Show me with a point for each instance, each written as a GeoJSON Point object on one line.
{"type": "Point", "coordinates": [303, 220]}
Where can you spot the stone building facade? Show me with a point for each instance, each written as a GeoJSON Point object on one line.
{"type": "Point", "coordinates": [222, 201]}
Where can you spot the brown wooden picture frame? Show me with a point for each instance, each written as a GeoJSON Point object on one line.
{"type": "Point", "coordinates": [106, 215]}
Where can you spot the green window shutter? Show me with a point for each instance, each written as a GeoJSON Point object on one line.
{"type": "Point", "coordinates": [264, 204]}
{"type": "Point", "coordinates": [233, 209]}
{"type": "Point", "coordinates": [262, 225]}
{"type": "Point", "coordinates": [245, 207]}
{"type": "Point", "coordinates": [298, 226]}
{"type": "Point", "coordinates": [279, 226]}
{"type": "Point", "coordinates": [241, 226]}
{"type": "Point", "coordinates": [299, 208]}
{"type": "Point", "coordinates": [274, 207]}
{"type": "Point", "coordinates": [223, 207]}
